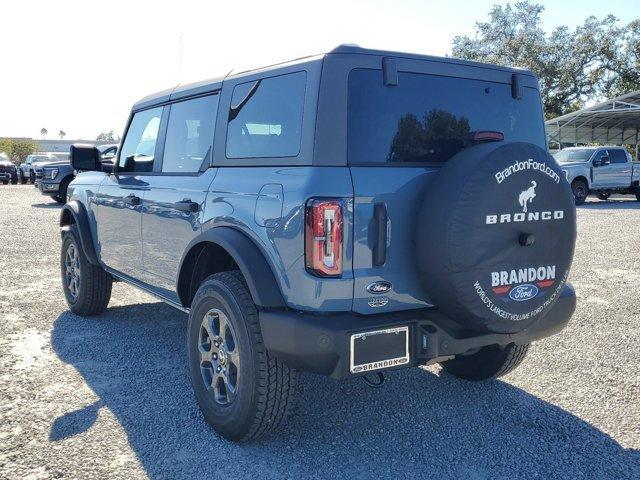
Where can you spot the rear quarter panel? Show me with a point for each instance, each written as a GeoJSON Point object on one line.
{"type": "Point", "coordinates": [276, 225]}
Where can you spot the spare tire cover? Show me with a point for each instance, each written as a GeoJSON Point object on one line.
{"type": "Point", "coordinates": [495, 236]}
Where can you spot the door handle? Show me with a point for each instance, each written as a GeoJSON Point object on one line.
{"type": "Point", "coordinates": [380, 219]}
{"type": "Point", "coordinates": [187, 206]}
{"type": "Point", "coordinates": [132, 200]}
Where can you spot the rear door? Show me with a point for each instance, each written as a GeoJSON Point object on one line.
{"type": "Point", "coordinates": [620, 167]}
{"type": "Point", "coordinates": [399, 134]}
{"type": "Point", "coordinates": [174, 203]}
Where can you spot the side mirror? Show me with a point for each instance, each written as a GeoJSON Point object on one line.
{"type": "Point", "coordinates": [597, 162]}
{"type": "Point", "coordinates": [605, 161]}
{"type": "Point", "coordinates": [85, 157]}
{"type": "Point", "coordinates": [107, 167]}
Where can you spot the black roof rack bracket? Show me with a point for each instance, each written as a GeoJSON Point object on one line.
{"type": "Point", "coordinates": [516, 86]}
{"type": "Point", "coordinates": [389, 71]}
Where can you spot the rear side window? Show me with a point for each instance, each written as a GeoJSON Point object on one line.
{"type": "Point", "coordinates": [265, 118]}
{"type": "Point", "coordinates": [189, 134]}
{"type": "Point", "coordinates": [139, 146]}
{"type": "Point", "coordinates": [430, 118]}
{"type": "Point", "coordinates": [617, 156]}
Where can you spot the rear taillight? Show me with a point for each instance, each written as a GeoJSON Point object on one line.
{"type": "Point", "coordinates": [323, 237]}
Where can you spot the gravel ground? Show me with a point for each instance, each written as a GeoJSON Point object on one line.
{"type": "Point", "coordinates": [108, 397]}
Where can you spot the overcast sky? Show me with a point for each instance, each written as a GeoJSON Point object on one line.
{"type": "Point", "coordinates": [78, 66]}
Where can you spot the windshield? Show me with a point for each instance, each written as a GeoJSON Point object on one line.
{"type": "Point", "coordinates": [430, 118]}
{"type": "Point", "coordinates": [573, 155]}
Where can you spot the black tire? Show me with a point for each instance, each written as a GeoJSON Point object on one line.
{"type": "Point", "coordinates": [480, 210]}
{"type": "Point", "coordinates": [32, 179]}
{"type": "Point", "coordinates": [5, 182]}
{"type": "Point", "coordinates": [638, 196]}
{"type": "Point", "coordinates": [604, 196]}
{"type": "Point", "coordinates": [62, 190]}
{"type": "Point", "coordinates": [487, 363]}
{"type": "Point", "coordinates": [87, 287]}
{"type": "Point", "coordinates": [21, 178]}
{"type": "Point", "coordinates": [580, 191]}
{"type": "Point", "coordinates": [254, 393]}
{"type": "Point", "coordinates": [14, 180]}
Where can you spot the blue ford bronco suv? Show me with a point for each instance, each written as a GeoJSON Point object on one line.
{"type": "Point", "coordinates": [342, 214]}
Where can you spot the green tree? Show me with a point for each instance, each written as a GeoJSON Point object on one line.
{"type": "Point", "coordinates": [595, 60]}
{"type": "Point", "coordinates": [62, 134]}
{"type": "Point", "coordinates": [17, 150]}
{"type": "Point", "coordinates": [44, 132]}
{"type": "Point", "coordinates": [107, 137]}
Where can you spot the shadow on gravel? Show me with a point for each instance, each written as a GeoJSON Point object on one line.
{"type": "Point", "coordinates": [47, 205]}
{"type": "Point", "coordinates": [419, 425]}
{"type": "Point", "coordinates": [611, 205]}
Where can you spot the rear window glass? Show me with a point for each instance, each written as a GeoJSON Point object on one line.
{"type": "Point", "coordinates": [617, 156]}
{"type": "Point", "coordinates": [265, 118]}
{"type": "Point", "coordinates": [429, 118]}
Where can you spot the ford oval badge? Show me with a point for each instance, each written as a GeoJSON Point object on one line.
{"type": "Point", "coordinates": [379, 287]}
{"type": "Point", "coordinates": [522, 293]}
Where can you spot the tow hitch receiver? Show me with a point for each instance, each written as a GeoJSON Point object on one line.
{"type": "Point", "coordinates": [379, 349]}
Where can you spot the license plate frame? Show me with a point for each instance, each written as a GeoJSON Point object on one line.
{"type": "Point", "coordinates": [399, 345]}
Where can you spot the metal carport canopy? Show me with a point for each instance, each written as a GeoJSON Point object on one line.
{"type": "Point", "coordinates": [614, 122]}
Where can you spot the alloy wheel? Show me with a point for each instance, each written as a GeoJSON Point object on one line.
{"type": "Point", "coordinates": [72, 270]}
{"type": "Point", "coordinates": [219, 356]}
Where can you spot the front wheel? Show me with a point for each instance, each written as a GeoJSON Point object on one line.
{"type": "Point", "coordinates": [604, 196]}
{"type": "Point", "coordinates": [580, 191]}
{"type": "Point", "coordinates": [242, 391]}
{"type": "Point", "coordinates": [486, 363]}
{"type": "Point", "coordinates": [87, 287]}
{"type": "Point", "coordinates": [62, 191]}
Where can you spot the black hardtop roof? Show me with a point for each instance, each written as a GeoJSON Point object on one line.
{"type": "Point", "coordinates": [203, 86]}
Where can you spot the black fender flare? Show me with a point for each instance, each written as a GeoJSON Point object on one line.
{"type": "Point", "coordinates": [252, 263]}
{"type": "Point", "coordinates": [74, 209]}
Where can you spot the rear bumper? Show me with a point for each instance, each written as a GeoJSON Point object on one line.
{"type": "Point", "coordinates": [321, 343]}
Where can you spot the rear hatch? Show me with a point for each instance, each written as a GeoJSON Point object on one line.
{"type": "Point", "coordinates": [403, 123]}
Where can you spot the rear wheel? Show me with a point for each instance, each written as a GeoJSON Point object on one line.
{"type": "Point", "coordinates": [489, 362]}
{"type": "Point", "coordinates": [580, 191]}
{"type": "Point", "coordinates": [87, 287]}
{"type": "Point", "coordinates": [604, 196]}
{"type": "Point", "coordinates": [21, 178]}
{"type": "Point", "coordinates": [242, 391]}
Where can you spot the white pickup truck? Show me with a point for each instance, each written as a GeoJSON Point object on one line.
{"type": "Point", "coordinates": [600, 171]}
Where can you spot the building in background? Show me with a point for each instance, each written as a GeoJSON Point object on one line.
{"type": "Point", "coordinates": [613, 122]}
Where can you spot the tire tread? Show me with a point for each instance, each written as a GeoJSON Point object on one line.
{"type": "Point", "coordinates": [275, 380]}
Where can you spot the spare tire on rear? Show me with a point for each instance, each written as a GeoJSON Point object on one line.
{"type": "Point", "coordinates": [496, 235]}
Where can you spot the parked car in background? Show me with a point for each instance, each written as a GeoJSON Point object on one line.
{"type": "Point", "coordinates": [330, 215]}
{"type": "Point", "coordinates": [8, 171]}
{"type": "Point", "coordinates": [600, 171]}
{"type": "Point", "coordinates": [26, 171]}
{"type": "Point", "coordinates": [53, 179]}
